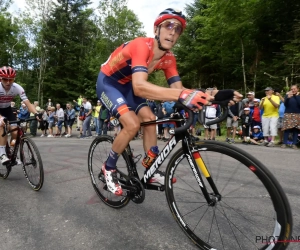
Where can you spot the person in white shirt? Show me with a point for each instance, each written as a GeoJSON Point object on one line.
{"type": "Point", "coordinates": [60, 116]}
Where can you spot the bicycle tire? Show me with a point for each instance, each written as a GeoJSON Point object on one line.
{"type": "Point", "coordinates": [252, 222]}
{"type": "Point", "coordinates": [98, 154]}
{"type": "Point", "coordinates": [4, 171]}
{"type": "Point", "coordinates": [32, 163]}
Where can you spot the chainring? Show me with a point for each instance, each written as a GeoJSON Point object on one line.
{"type": "Point", "coordinates": [139, 195]}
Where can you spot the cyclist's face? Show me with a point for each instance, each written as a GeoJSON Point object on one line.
{"type": "Point", "coordinates": [7, 82]}
{"type": "Point", "coordinates": [170, 31]}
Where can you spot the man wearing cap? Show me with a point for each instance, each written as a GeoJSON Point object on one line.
{"type": "Point", "coordinates": [269, 105]}
{"type": "Point", "coordinates": [249, 100]}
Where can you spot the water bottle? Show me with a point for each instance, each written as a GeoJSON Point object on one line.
{"type": "Point", "coordinates": [151, 156]}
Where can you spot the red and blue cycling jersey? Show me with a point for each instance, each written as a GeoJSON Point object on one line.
{"type": "Point", "coordinates": [135, 56]}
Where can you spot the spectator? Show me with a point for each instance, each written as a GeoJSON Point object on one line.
{"type": "Point", "coordinates": [291, 119]}
{"type": "Point", "coordinates": [14, 109]}
{"type": "Point", "coordinates": [160, 115]}
{"type": "Point", "coordinates": [234, 113]}
{"type": "Point", "coordinates": [104, 119]}
{"type": "Point", "coordinates": [88, 116]}
{"type": "Point", "coordinates": [34, 123]}
{"type": "Point", "coordinates": [246, 124]}
{"type": "Point", "coordinates": [70, 118]}
{"type": "Point", "coordinates": [249, 101]}
{"type": "Point", "coordinates": [96, 117]}
{"type": "Point", "coordinates": [256, 114]}
{"type": "Point", "coordinates": [76, 107]}
{"type": "Point", "coordinates": [280, 119]}
{"type": "Point", "coordinates": [270, 105]}
{"type": "Point", "coordinates": [79, 100]}
{"type": "Point", "coordinates": [51, 121]}
{"type": "Point", "coordinates": [193, 127]}
{"type": "Point", "coordinates": [23, 113]}
{"type": "Point", "coordinates": [43, 122]}
{"type": "Point", "coordinates": [60, 117]}
{"type": "Point", "coordinates": [168, 109]}
{"type": "Point", "coordinates": [80, 120]}
{"type": "Point", "coordinates": [256, 136]}
{"type": "Point", "coordinates": [152, 106]}
{"type": "Point", "coordinates": [49, 103]}
{"type": "Point", "coordinates": [211, 113]}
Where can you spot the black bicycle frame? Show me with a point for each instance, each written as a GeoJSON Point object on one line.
{"type": "Point", "coordinates": [164, 153]}
{"type": "Point", "coordinates": [13, 157]}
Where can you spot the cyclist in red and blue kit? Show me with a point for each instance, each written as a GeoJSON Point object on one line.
{"type": "Point", "coordinates": [123, 87]}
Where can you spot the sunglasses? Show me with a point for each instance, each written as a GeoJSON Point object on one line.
{"type": "Point", "coordinates": [10, 80]}
{"type": "Point", "coordinates": [169, 25]}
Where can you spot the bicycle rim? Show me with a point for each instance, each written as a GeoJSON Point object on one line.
{"type": "Point", "coordinates": [98, 154]}
{"type": "Point", "coordinates": [32, 163]}
{"type": "Point", "coordinates": [253, 212]}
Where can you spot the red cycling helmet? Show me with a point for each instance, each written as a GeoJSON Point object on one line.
{"type": "Point", "coordinates": [7, 72]}
{"type": "Point", "coordinates": [169, 14]}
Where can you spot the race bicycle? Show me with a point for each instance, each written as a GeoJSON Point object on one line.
{"type": "Point", "coordinates": [223, 197]}
{"type": "Point", "coordinates": [30, 158]}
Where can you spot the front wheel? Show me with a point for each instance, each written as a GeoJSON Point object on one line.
{"type": "Point", "coordinates": [252, 211]}
{"type": "Point", "coordinates": [32, 163]}
{"type": "Point", "coordinates": [4, 171]}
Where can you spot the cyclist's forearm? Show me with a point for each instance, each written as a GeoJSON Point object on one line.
{"type": "Point", "coordinates": [30, 107]}
{"type": "Point", "coordinates": [150, 91]}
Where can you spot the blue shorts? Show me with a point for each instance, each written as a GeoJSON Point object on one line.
{"type": "Point", "coordinates": [60, 124]}
{"type": "Point", "coordinates": [168, 125]}
{"type": "Point", "coordinates": [118, 99]}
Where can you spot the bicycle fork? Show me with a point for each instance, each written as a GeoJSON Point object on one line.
{"type": "Point", "coordinates": [198, 166]}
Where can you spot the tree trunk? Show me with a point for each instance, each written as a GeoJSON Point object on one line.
{"type": "Point", "coordinates": [255, 70]}
{"type": "Point", "coordinates": [243, 65]}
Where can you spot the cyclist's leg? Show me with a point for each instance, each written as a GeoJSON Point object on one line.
{"type": "Point", "coordinates": [149, 132]}
{"type": "Point", "coordinates": [8, 113]}
{"type": "Point", "coordinates": [114, 96]}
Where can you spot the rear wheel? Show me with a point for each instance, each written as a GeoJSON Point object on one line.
{"type": "Point", "coordinates": [32, 163]}
{"type": "Point", "coordinates": [252, 213]}
{"type": "Point", "coordinates": [98, 154]}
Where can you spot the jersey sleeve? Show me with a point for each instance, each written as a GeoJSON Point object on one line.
{"type": "Point", "coordinates": [170, 69]}
{"type": "Point", "coordinates": [139, 54]}
{"type": "Point", "coordinates": [21, 92]}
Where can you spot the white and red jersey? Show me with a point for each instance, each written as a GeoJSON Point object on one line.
{"type": "Point", "coordinates": [7, 96]}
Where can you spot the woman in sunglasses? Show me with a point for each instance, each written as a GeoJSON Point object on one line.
{"type": "Point", "coordinates": [8, 90]}
{"type": "Point", "coordinates": [123, 87]}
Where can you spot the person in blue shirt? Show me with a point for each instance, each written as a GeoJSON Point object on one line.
{"type": "Point", "coordinates": [280, 119]}
{"type": "Point", "coordinates": [51, 121]}
{"type": "Point", "coordinates": [23, 113]}
{"type": "Point", "coordinates": [256, 136]}
{"type": "Point", "coordinates": [168, 109]}
{"type": "Point", "coordinates": [70, 118]}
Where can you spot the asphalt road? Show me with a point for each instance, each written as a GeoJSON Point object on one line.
{"type": "Point", "coordinates": [67, 214]}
